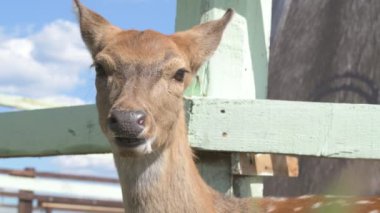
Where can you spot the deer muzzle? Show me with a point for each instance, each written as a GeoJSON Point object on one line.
{"type": "Point", "coordinates": [127, 126]}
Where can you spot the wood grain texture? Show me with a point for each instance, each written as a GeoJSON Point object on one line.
{"type": "Point", "coordinates": [252, 164]}
{"type": "Point", "coordinates": [189, 13]}
{"type": "Point", "coordinates": [302, 128]}
{"type": "Point", "coordinates": [68, 130]}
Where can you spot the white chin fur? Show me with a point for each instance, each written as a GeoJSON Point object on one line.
{"type": "Point", "coordinates": [142, 149]}
{"type": "Point", "coordinates": [145, 148]}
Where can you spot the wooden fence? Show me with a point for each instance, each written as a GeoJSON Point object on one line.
{"type": "Point", "coordinates": [224, 117]}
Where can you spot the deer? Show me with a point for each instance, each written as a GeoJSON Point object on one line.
{"type": "Point", "coordinates": [140, 80]}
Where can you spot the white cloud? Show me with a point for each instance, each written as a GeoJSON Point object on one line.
{"type": "Point", "coordinates": [48, 65]}
{"type": "Point", "coordinates": [44, 64]}
{"type": "Point", "coordinates": [79, 161]}
{"type": "Point", "coordinates": [93, 164]}
{"type": "Point", "coordinates": [63, 100]}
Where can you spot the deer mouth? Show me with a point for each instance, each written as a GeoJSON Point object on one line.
{"type": "Point", "coordinates": [129, 142]}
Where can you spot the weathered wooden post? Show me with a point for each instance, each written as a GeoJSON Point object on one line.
{"type": "Point", "coordinates": [231, 73]}
{"type": "Point", "coordinates": [189, 13]}
{"type": "Point", "coordinates": [327, 51]}
{"type": "Point", "coordinates": [25, 204]}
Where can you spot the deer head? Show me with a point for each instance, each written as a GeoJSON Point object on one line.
{"type": "Point", "coordinates": [140, 80]}
{"type": "Point", "coordinates": [141, 77]}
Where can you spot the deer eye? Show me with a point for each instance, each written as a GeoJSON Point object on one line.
{"type": "Point", "coordinates": [100, 72]}
{"type": "Point", "coordinates": [180, 75]}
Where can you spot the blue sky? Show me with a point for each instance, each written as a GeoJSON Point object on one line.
{"type": "Point", "coordinates": [43, 57]}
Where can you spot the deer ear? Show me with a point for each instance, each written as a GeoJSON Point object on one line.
{"type": "Point", "coordinates": [200, 42]}
{"type": "Point", "coordinates": [94, 28]}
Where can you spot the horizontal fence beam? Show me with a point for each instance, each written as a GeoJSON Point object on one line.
{"type": "Point", "coordinates": [287, 127]}
{"type": "Point", "coordinates": [58, 131]}
{"type": "Point", "coordinates": [267, 126]}
{"type": "Point", "coordinates": [30, 172]}
{"type": "Point", "coordinates": [111, 192]}
{"type": "Point", "coordinates": [69, 200]}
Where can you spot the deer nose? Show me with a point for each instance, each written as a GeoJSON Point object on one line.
{"type": "Point", "coordinates": [126, 123]}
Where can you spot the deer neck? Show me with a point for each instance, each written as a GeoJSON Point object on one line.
{"type": "Point", "coordinates": [166, 180]}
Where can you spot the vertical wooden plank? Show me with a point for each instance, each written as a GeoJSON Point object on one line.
{"type": "Point", "coordinates": [189, 14]}
{"type": "Point", "coordinates": [229, 71]}
{"type": "Point", "coordinates": [251, 164]}
{"type": "Point", "coordinates": [233, 79]}
{"type": "Point", "coordinates": [238, 68]}
{"type": "Point", "coordinates": [255, 19]}
{"type": "Point", "coordinates": [266, 8]}
{"type": "Point", "coordinates": [25, 204]}
{"type": "Point", "coordinates": [293, 169]}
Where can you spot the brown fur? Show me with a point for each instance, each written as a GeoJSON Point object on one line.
{"type": "Point", "coordinates": [140, 66]}
{"type": "Point", "coordinates": [160, 175]}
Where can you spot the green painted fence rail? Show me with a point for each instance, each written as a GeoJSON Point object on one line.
{"type": "Point", "coordinates": [56, 131]}
{"type": "Point", "coordinates": [265, 126]}
{"type": "Point", "coordinates": [287, 127]}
